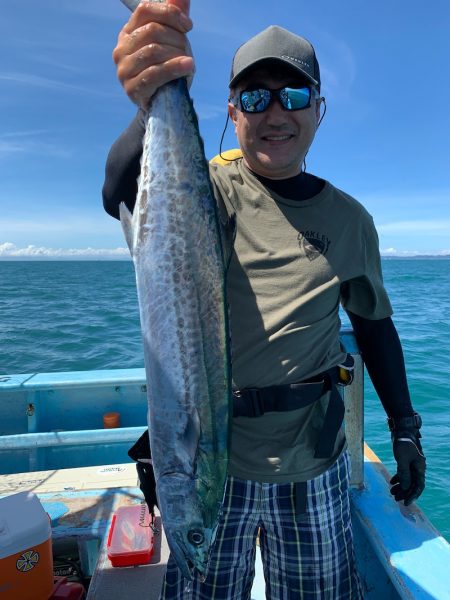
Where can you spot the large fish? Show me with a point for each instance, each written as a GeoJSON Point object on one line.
{"type": "Point", "coordinates": [175, 239]}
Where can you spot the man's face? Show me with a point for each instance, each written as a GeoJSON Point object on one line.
{"type": "Point", "coordinates": [274, 142]}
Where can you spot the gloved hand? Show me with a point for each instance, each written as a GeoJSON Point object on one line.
{"type": "Point", "coordinates": [409, 481]}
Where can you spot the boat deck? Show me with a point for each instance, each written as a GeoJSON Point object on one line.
{"type": "Point", "coordinates": [399, 553]}
{"type": "Point", "coordinates": [80, 503]}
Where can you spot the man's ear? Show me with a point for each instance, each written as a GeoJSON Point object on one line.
{"type": "Point", "coordinates": [232, 112]}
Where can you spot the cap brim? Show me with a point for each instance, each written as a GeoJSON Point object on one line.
{"type": "Point", "coordinates": [271, 60]}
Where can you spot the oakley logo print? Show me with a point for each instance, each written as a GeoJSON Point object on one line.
{"type": "Point", "coordinates": [313, 244]}
{"type": "Point", "coordinates": [297, 60]}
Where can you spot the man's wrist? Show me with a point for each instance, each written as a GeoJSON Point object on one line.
{"type": "Point", "coordinates": [404, 423]}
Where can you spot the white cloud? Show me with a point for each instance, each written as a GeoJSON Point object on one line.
{"type": "Point", "coordinates": [206, 112]}
{"type": "Point", "coordinates": [406, 253]}
{"type": "Point", "coordinates": [9, 250]}
{"type": "Point", "coordinates": [399, 253]}
{"type": "Point", "coordinates": [31, 80]}
{"type": "Point", "coordinates": [29, 142]}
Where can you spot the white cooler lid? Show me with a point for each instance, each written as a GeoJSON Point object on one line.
{"type": "Point", "coordinates": [23, 523]}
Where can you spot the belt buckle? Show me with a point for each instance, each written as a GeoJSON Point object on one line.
{"type": "Point", "coordinates": [256, 401]}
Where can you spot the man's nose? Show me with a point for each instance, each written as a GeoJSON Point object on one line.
{"type": "Point", "coordinates": [275, 113]}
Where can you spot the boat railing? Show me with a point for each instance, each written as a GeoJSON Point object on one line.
{"type": "Point", "coordinates": [57, 411]}
{"type": "Point", "coordinates": [354, 410]}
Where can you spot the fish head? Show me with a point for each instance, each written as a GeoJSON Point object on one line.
{"type": "Point", "coordinates": [190, 550]}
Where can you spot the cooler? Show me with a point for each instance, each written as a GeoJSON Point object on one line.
{"type": "Point", "coordinates": [26, 563]}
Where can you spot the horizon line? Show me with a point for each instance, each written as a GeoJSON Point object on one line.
{"type": "Point", "coordinates": [10, 251]}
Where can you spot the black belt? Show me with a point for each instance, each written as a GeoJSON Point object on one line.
{"type": "Point", "coordinates": [254, 402]}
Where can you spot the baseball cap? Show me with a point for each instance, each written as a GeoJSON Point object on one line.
{"type": "Point", "coordinates": [276, 44]}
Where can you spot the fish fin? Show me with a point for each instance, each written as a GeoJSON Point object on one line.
{"type": "Point", "coordinates": [131, 4]}
{"type": "Point", "coordinates": [126, 219]}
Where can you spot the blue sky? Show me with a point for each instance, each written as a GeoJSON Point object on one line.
{"type": "Point", "coordinates": [385, 138]}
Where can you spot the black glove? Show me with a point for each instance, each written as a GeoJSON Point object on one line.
{"type": "Point", "coordinates": [409, 481]}
{"type": "Point", "coordinates": [140, 452]}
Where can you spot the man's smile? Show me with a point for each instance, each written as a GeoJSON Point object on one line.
{"type": "Point", "coordinates": [277, 138]}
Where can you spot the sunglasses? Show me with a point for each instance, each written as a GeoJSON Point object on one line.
{"type": "Point", "coordinates": [259, 100]}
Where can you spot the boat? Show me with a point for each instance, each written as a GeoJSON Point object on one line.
{"type": "Point", "coordinates": [54, 444]}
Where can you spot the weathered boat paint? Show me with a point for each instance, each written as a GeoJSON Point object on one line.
{"type": "Point", "coordinates": [175, 240]}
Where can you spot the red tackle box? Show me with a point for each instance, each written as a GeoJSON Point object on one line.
{"type": "Point", "coordinates": [130, 540]}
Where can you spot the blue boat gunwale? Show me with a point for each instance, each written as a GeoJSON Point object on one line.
{"type": "Point", "coordinates": [71, 379]}
{"type": "Point", "coordinates": [102, 377]}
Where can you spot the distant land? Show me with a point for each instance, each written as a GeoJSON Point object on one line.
{"type": "Point", "coordinates": [122, 258]}
{"type": "Point", "coordinates": [83, 258]}
{"type": "Point", "coordinates": [416, 257]}
{"type": "Point", "coordinates": [12, 252]}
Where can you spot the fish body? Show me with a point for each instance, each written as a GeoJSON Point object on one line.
{"type": "Point", "coordinates": [175, 240]}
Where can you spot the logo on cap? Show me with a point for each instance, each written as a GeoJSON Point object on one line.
{"type": "Point", "coordinates": [297, 60]}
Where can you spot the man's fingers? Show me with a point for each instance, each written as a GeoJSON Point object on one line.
{"type": "Point", "coordinates": [404, 477]}
{"type": "Point", "coordinates": [142, 87]}
{"type": "Point", "coordinates": [153, 48]}
{"type": "Point", "coordinates": [414, 490]}
{"type": "Point", "coordinates": [418, 485]}
{"type": "Point", "coordinates": [394, 479]}
{"type": "Point", "coordinates": [414, 493]}
{"type": "Point", "coordinates": [148, 34]}
{"type": "Point", "coordinates": [149, 56]}
{"type": "Point", "coordinates": [183, 5]}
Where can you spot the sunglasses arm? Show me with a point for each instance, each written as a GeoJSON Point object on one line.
{"type": "Point", "coordinates": [322, 100]}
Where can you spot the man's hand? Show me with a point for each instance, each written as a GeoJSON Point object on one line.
{"type": "Point", "coordinates": [409, 481]}
{"type": "Point", "coordinates": [152, 48]}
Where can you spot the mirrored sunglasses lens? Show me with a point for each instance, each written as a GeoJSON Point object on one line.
{"type": "Point", "coordinates": [295, 99]}
{"type": "Point", "coordinates": [255, 100]}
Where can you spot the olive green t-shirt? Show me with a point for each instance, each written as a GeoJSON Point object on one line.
{"type": "Point", "coordinates": [291, 265]}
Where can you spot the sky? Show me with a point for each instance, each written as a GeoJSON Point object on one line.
{"type": "Point", "coordinates": [384, 139]}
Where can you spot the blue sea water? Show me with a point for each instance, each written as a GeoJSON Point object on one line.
{"type": "Point", "coordinates": [82, 315]}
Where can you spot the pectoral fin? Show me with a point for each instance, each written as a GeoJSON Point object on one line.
{"type": "Point", "coordinates": [126, 219]}
{"type": "Point", "coordinates": [131, 4]}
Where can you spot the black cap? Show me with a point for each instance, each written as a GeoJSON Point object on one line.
{"type": "Point", "coordinates": [276, 44]}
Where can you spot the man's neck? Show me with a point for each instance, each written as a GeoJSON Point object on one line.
{"type": "Point", "coordinates": [300, 187]}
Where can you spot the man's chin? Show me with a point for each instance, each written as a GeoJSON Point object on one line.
{"type": "Point", "coordinates": [273, 167]}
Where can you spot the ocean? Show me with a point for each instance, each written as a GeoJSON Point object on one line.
{"type": "Point", "coordinates": [83, 315]}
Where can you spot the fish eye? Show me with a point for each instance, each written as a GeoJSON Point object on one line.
{"type": "Point", "coordinates": [196, 537]}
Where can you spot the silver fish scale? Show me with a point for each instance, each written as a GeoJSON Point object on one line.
{"type": "Point", "coordinates": [175, 241]}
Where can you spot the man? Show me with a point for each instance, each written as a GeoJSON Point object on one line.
{"type": "Point", "coordinates": [301, 247]}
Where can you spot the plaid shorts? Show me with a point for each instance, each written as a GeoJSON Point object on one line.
{"type": "Point", "coordinates": [304, 557]}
